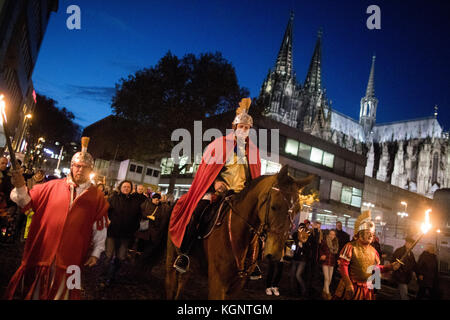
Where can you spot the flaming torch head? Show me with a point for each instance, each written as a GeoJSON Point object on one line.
{"type": "Point", "coordinates": [426, 226]}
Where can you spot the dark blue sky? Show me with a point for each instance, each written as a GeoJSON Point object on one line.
{"type": "Point", "coordinates": [79, 68]}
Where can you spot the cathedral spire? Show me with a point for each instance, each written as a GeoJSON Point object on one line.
{"type": "Point", "coordinates": [369, 103]}
{"type": "Point", "coordinates": [284, 59]}
{"type": "Point", "coordinates": [370, 91]}
{"type": "Point", "coordinates": [313, 81]}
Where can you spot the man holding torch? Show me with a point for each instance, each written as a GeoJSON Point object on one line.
{"type": "Point", "coordinates": [70, 217]}
{"type": "Point", "coordinates": [356, 262]}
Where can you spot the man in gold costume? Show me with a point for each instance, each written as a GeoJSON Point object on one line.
{"type": "Point", "coordinates": [356, 262]}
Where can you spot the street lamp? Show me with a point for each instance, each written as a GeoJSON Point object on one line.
{"type": "Point", "coordinates": [26, 117]}
{"type": "Point", "coordinates": [402, 215]}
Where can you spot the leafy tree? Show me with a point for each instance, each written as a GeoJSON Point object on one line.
{"type": "Point", "coordinates": [53, 124]}
{"type": "Point", "coordinates": [173, 94]}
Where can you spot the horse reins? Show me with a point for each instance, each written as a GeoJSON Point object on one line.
{"type": "Point", "coordinates": [260, 232]}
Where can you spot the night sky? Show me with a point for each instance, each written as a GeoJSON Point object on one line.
{"type": "Point", "coordinates": [79, 68]}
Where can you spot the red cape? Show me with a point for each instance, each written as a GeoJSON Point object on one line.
{"type": "Point", "coordinates": [57, 235]}
{"type": "Point", "coordinates": [212, 162]}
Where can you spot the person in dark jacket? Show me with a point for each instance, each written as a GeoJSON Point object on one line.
{"type": "Point", "coordinates": [155, 216]}
{"type": "Point", "coordinates": [302, 254]}
{"type": "Point", "coordinates": [403, 275]}
{"type": "Point", "coordinates": [342, 236]}
{"type": "Point", "coordinates": [428, 274]}
{"type": "Point", "coordinates": [124, 214]}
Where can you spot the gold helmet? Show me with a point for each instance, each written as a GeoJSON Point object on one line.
{"type": "Point", "coordinates": [242, 115]}
{"type": "Point", "coordinates": [364, 222]}
{"type": "Point", "coordinates": [83, 156]}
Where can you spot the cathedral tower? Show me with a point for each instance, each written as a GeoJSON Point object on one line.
{"type": "Point", "coordinates": [368, 112]}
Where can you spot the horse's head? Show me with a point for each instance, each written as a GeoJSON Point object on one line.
{"type": "Point", "coordinates": [276, 215]}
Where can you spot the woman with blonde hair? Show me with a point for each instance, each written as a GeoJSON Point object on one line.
{"type": "Point", "coordinates": [327, 252]}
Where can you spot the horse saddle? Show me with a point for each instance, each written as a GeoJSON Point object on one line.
{"type": "Point", "coordinates": [212, 216]}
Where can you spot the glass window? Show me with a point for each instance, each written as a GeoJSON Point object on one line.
{"type": "Point", "coordinates": [346, 196]}
{"type": "Point", "coordinates": [316, 155]}
{"type": "Point", "coordinates": [149, 171]}
{"type": "Point", "coordinates": [356, 201]}
{"type": "Point", "coordinates": [304, 151]}
{"type": "Point", "coordinates": [328, 159]}
{"type": "Point", "coordinates": [167, 165]}
{"type": "Point", "coordinates": [356, 197]}
{"type": "Point", "coordinates": [133, 168]}
{"type": "Point", "coordinates": [139, 169]}
{"type": "Point", "coordinates": [156, 173]}
{"type": "Point", "coordinates": [336, 188]}
{"type": "Point", "coordinates": [291, 147]}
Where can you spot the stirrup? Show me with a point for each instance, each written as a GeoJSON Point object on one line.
{"type": "Point", "coordinates": [181, 269]}
{"type": "Point", "coordinates": [256, 274]}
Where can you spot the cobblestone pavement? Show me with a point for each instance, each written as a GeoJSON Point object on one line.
{"type": "Point", "coordinates": [137, 283]}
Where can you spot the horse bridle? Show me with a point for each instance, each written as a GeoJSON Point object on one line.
{"type": "Point", "coordinates": [261, 232]}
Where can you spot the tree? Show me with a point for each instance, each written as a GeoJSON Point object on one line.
{"type": "Point", "coordinates": [173, 94]}
{"type": "Point", "coordinates": [53, 124]}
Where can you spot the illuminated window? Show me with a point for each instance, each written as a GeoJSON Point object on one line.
{"type": "Point", "coordinates": [336, 188]}
{"type": "Point", "coordinates": [316, 155]}
{"type": "Point", "coordinates": [305, 151]}
{"type": "Point", "coordinates": [346, 195]}
{"type": "Point", "coordinates": [328, 159]}
{"type": "Point", "coordinates": [291, 147]}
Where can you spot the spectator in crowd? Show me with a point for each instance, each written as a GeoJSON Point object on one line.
{"type": "Point", "coordinates": [313, 269]}
{"type": "Point", "coordinates": [124, 213]}
{"type": "Point", "coordinates": [152, 233]}
{"type": "Point", "coordinates": [302, 254]}
{"type": "Point", "coordinates": [140, 193]}
{"type": "Point", "coordinates": [10, 217]}
{"type": "Point", "coordinates": [140, 190]}
{"type": "Point", "coordinates": [376, 244]}
{"type": "Point", "coordinates": [428, 274]}
{"type": "Point", "coordinates": [342, 236]}
{"type": "Point", "coordinates": [274, 273]}
{"type": "Point", "coordinates": [404, 274]}
{"type": "Point", "coordinates": [327, 252]}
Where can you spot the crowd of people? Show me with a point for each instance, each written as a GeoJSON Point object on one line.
{"type": "Point", "coordinates": [313, 255]}
{"type": "Point", "coordinates": [138, 222]}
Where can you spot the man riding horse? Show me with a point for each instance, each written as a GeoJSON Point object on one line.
{"type": "Point", "coordinates": [228, 165]}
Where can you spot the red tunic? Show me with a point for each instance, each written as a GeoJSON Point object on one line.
{"type": "Point", "coordinates": [58, 236]}
{"type": "Point", "coordinates": [212, 162]}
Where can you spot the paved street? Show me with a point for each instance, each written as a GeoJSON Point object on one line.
{"type": "Point", "coordinates": [137, 284]}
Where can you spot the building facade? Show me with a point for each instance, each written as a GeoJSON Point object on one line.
{"type": "Point", "coordinates": [411, 154]}
{"type": "Point", "coordinates": [22, 28]}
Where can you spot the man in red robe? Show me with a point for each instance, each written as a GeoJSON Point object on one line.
{"type": "Point", "coordinates": [70, 216]}
{"type": "Point", "coordinates": [227, 165]}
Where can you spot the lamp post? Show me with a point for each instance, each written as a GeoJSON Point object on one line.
{"type": "Point", "coordinates": [28, 116]}
{"type": "Point", "coordinates": [402, 215]}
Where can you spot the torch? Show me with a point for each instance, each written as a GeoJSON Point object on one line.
{"type": "Point", "coordinates": [425, 227]}
{"type": "Point", "coordinates": [12, 155]}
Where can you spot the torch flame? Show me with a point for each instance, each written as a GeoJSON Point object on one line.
{"type": "Point", "coordinates": [2, 107]}
{"type": "Point", "coordinates": [426, 226]}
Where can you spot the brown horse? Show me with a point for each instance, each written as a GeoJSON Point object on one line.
{"type": "Point", "coordinates": [264, 210]}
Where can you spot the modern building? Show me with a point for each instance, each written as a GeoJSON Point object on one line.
{"type": "Point", "coordinates": [22, 28]}
{"type": "Point", "coordinates": [113, 172]}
